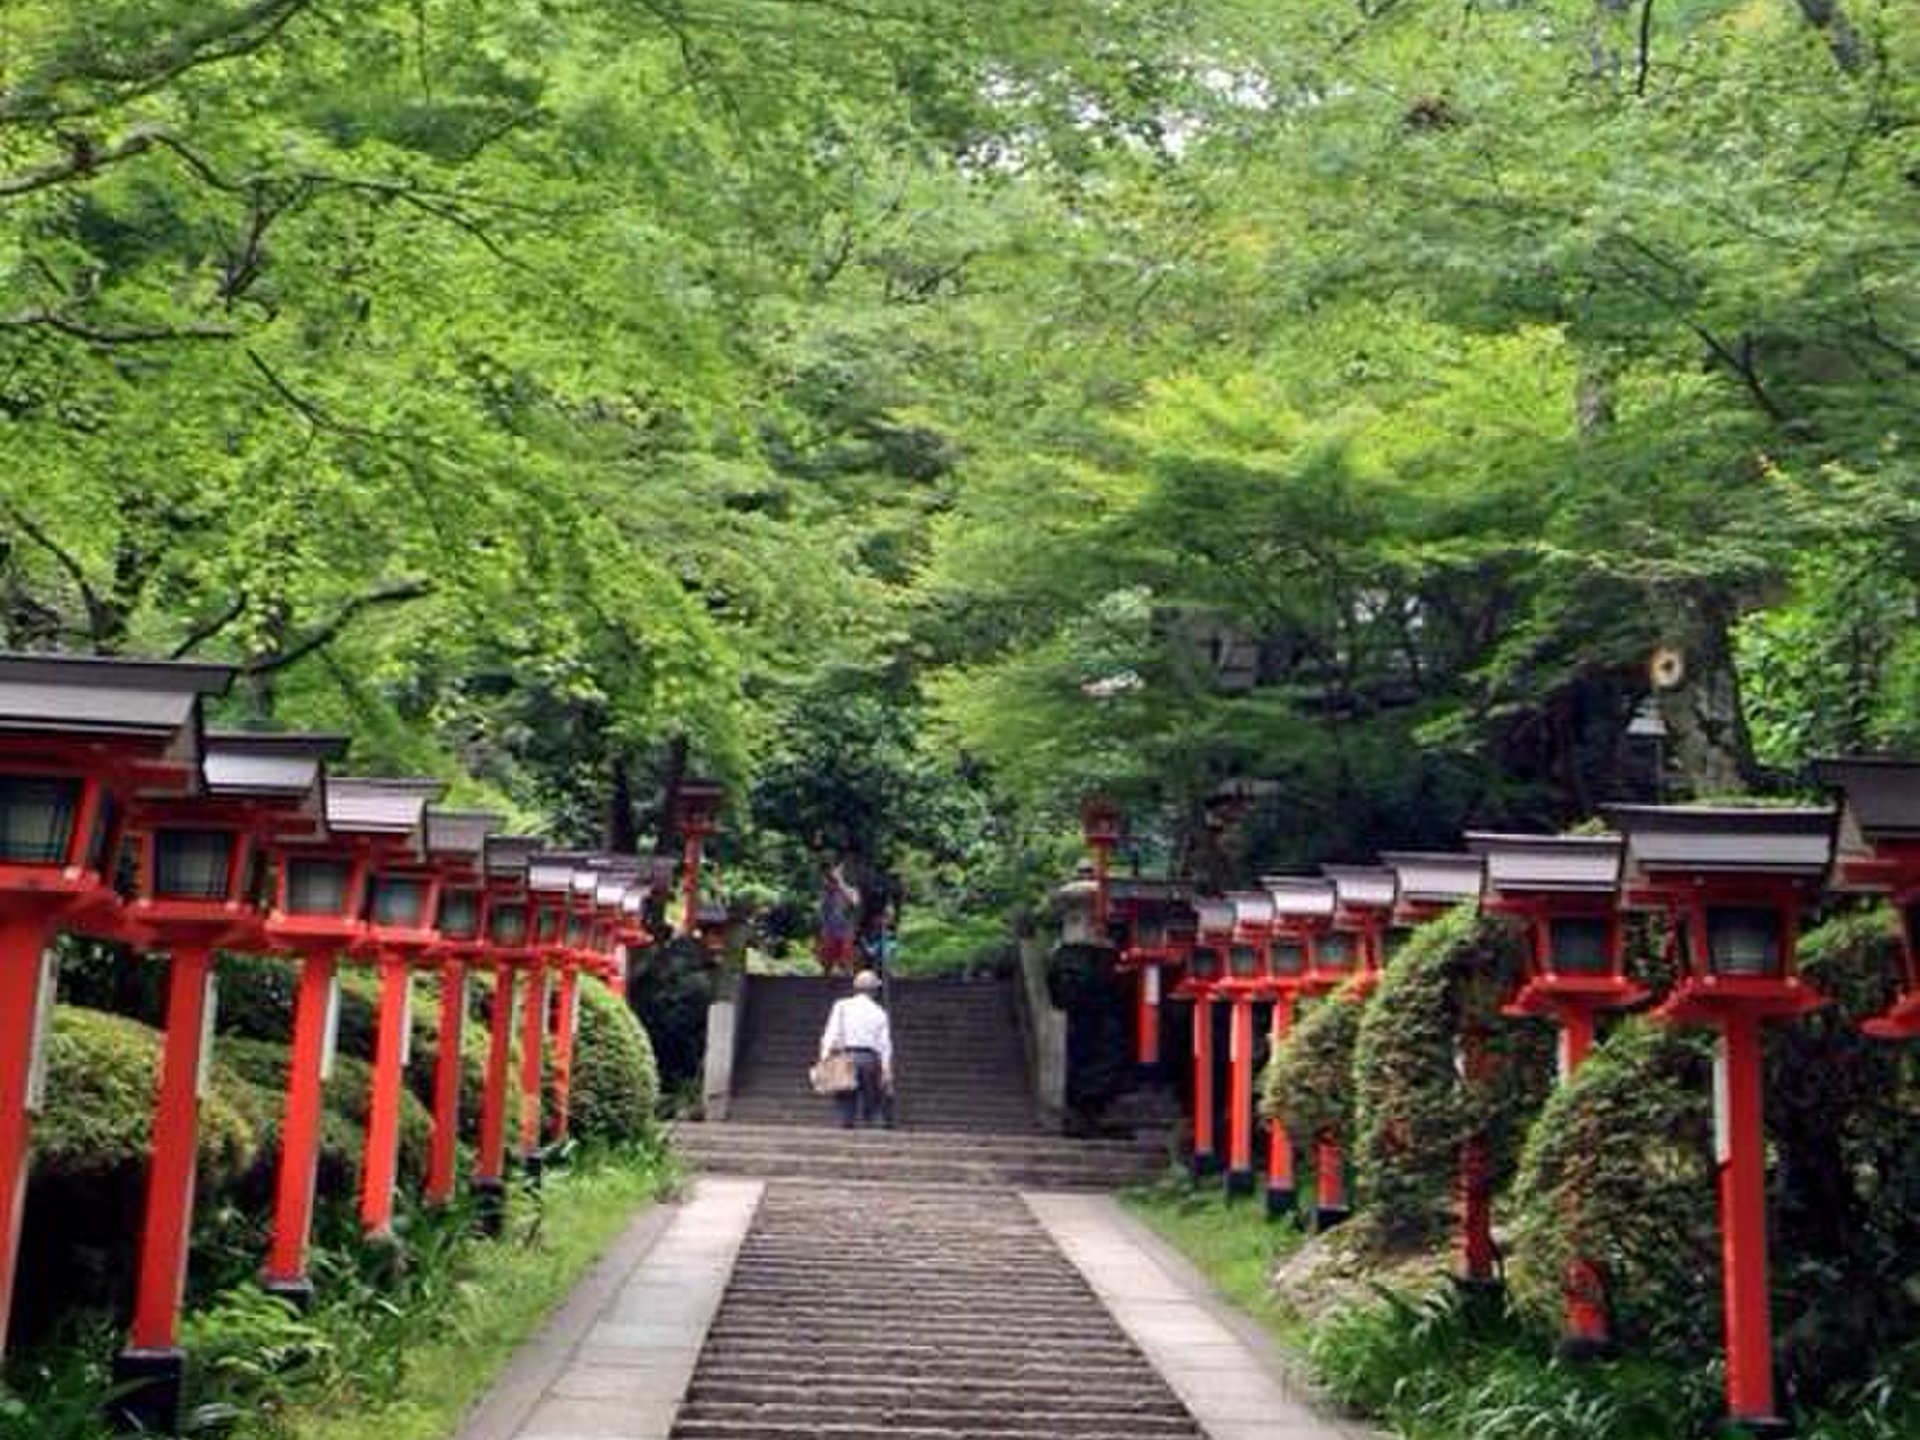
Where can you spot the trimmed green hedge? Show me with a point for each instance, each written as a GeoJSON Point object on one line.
{"type": "Point", "coordinates": [1413, 1105]}
{"type": "Point", "coordinates": [1308, 1086]}
{"type": "Point", "coordinates": [1619, 1172]}
{"type": "Point", "coordinates": [616, 1086]}
{"type": "Point", "coordinates": [101, 1073]}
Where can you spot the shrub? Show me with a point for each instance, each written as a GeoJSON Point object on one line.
{"type": "Point", "coordinates": [1309, 1081]}
{"type": "Point", "coordinates": [1618, 1171]}
{"type": "Point", "coordinates": [615, 1083]}
{"type": "Point", "coordinates": [101, 1074]}
{"type": "Point", "coordinates": [1414, 1105]}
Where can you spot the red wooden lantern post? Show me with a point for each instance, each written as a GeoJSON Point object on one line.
{"type": "Point", "coordinates": [1347, 956]}
{"type": "Point", "coordinates": [1879, 851]}
{"type": "Point", "coordinates": [550, 890]}
{"type": "Point", "coordinates": [1213, 933]}
{"type": "Point", "coordinates": [318, 913]}
{"type": "Point", "coordinates": [1564, 889]}
{"type": "Point", "coordinates": [1100, 829]}
{"type": "Point", "coordinates": [1429, 886]}
{"type": "Point", "coordinates": [1245, 981]}
{"type": "Point", "coordinates": [202, 878]}
{"type": "Point", "coordinates": [78, 740]}
{"type": "Point", "coordinates": [1733, 884]}
{"type": "Point", "coordinates": [1302, 908]}
{"type": "Point", "coordinates": [696, 813]}
{"type": "Point", "coordinates": [403, 898]}
{"type": "Point", "coordinates": [509, 948]}
{"type": "Point", "coordinates": [1156, 922]}
{"type": "Point", "coordinates": [457, 844]}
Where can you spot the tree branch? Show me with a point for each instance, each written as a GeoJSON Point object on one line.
{"type": "Point", "coordinates": [330, 629]}
{"type": "Point", "coordinates": [97, 611]}
{"type": "Point", "coordinates": [207, 629]}
{"type": "Point", "coordinates": [226, 36]}
{"type": "Point", "coordinates": [83, 161]}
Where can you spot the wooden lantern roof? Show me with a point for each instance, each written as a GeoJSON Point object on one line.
{"type": "Point", "coordinates": [1253, 910]}
{"type": "Point", "coordinates": [1879, 804]}
{"type": "Point", "coordinates": [286, 771]}
{"type": "Point", "coordinates": [460, 837]}
{"type": "Point", "coordinates": [1363, 887]}
{"type": "Point", "coordinates": [1300, 897]}
{"type": "Point", "coordinates": [1668, 842]}
{"type": "Point", "coordinates": [1436, 879]}
{"type": "Point", "coordinates": [1549, 864]}
{"type": "Point", "coordinates": [508, 857]}
{"type": "Point", "coordinates": [152, 706]}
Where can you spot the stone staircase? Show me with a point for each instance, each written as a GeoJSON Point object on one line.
{"type": "Point", "coordinates": [963, 1104]}
{"type": "Point", "coordinates": [919, 1157]}
{"type": "Point", "coordinates": [868, 1311]}
{"type": "Point", "coordinates": [959, 1060]}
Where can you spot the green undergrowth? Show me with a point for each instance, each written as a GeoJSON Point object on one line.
{"type": "Point", "coordinates": [1438, 1366]}
{"type": "Point", "coordinates": [386, 1352]}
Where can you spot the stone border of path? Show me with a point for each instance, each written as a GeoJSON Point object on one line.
{"type": "Point", "coordinates": [1232, 1375]}
{"type": "Point", "coordinates": [614, 1361]}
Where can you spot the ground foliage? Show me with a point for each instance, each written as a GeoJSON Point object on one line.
{"type": "Point", "coordinates": [1415, 1103]}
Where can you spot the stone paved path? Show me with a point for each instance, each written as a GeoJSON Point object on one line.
{"type": "Point", "coordinates": [1008, 1316]}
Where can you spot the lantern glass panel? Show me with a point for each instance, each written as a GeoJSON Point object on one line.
{"type": "Point", "coordinates": [1288, 957]}
{"type": "Point", "coordinates": [317, 887]}
{"type": "Point", "coordinates": [1150, 932]}
{"type": "Point", "coordinates": [577, 931]}
{"type": "Point", "coordinates": [547, 927]}
{"type": "Point", "coordinates": [1206, 964]}
{"type": "Point", "coordinates": [36, 819]}
{"type": "Point", "coordinates": [459, 914]}
{"type": "Point", "coordinates": [509, 925]}
{"type": "Point", "coordinates": [1744, 940]}
{"type": "Point", "coordinates": [1336, 951]}
{"type": "Point", "coordinates": [1245, 961]}
{"type": "Point", "coordinates": [397, 901]}
{"type": "Point", "coordinates": [191, 864]}
{"type": "Point", "coordinates": [1578, 945]}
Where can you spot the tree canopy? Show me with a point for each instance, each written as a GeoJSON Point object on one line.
{"type": "Point", "coordinates": [920, 414]}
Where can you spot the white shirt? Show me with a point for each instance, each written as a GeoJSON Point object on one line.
{"type": "Point", "coordinates": [858, 1023]}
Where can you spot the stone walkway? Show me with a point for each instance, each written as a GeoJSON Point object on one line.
{"type": "Point", "coordinates": [620, 1358]}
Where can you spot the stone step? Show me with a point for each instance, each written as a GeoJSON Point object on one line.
{"type": "Point", "coordinates": [915, 1313]}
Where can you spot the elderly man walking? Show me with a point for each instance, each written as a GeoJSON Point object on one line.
{"type": "Point", "coordinates": [858, 1027]}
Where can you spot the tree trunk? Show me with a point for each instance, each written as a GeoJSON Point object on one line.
{"type": "Point", "coordinates": [1708, 744]}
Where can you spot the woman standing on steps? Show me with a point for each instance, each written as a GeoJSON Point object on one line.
{"type": "Point", "coordinates": [858, 1027]}
{"type": "Point", "coordinates": [839, 914]}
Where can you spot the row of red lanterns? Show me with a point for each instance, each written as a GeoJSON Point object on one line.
{"type": "Point", "coordinates": [122, 818]}
{"type": "Point", "coordinates": [1733, 884]}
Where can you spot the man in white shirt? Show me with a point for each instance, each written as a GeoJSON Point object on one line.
{"type": "Point", "coordinates": [859, 1026]}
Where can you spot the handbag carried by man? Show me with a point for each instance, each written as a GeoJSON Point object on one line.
{"type": "Point", "coordinates": [834, 1075]}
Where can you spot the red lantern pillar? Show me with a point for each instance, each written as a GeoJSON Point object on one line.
{"type": "Point", "coordinates": [490, 1164]}
{"type": "Point", "coordinates": [1146, 1025]}
{"type": "Point", "coordinates": [379, 1169]}
{"type": "Point", "coordinates": [315, 1014]}
{"type": "Point", "coordinates": [1240, 1107]}
{"type": "Point", "coordinates": [444, 1155]}
{"type": "Point", "coordinates": [532, 1063]}
{"type": "Point", "coordinates": [1280, 1183]}
{"type": "Point", "coordinates": [26, 1007]}
{"type": "Point", "coordinates": [1478, 1263]}
{"type": "Point", "coordinates": [1206, 1157]}
{"type": "Point", "coordinates": [154, 1354]}
{"type": "Point", "coordinates": [566, 1013]}
{"type": "Point", "coordinates": [1743, 1223]}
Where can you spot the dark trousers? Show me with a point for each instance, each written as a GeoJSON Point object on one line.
{"type": "Point", "coordinates": [866, 1103]}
